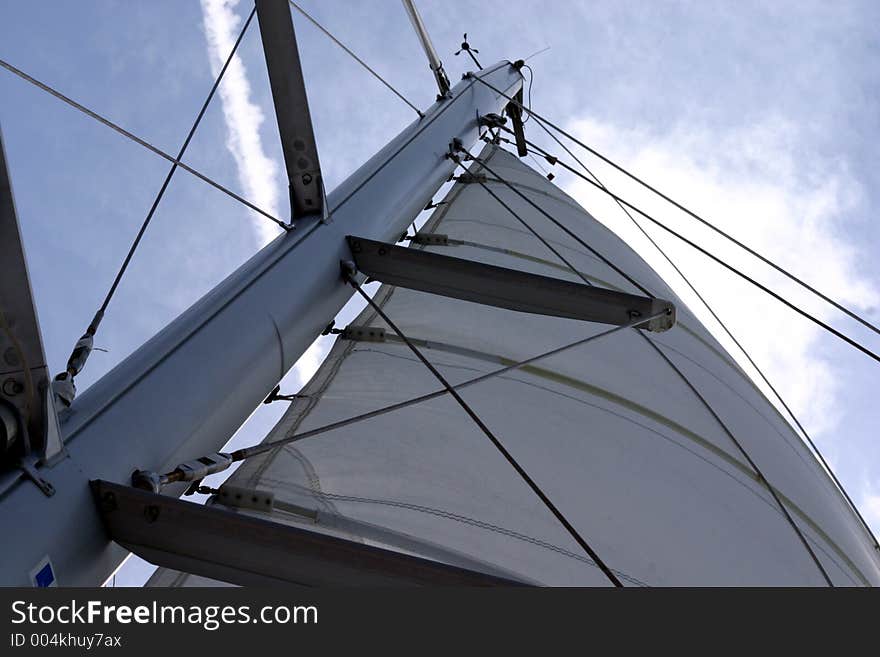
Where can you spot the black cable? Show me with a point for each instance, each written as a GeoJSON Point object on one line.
{"type": "Point", "coordinates": [524, 223]}
{"type": "Point", "coordinates": [721, 423]}
{"type": "Point", "coordinates": [99, 315]}
{"type": "Point", "coordinates": [729, 333]}
{"type": "Point", "coordinates": [140, 142]}
{"type": "Point", "coordinates": [516, 466]}
{"type": "Point", "coordinates": [721, 262]}
{"type": "Point", "coordinates": [558, 224]}
{"type": "Point", "coordinates": [355, 57]}
{"type": "Point", "coordinates": [692, 214]}
{"type": "Point", "coordinates": [168, 177]}
{"type": "Point", "coordinates": [262, 448]}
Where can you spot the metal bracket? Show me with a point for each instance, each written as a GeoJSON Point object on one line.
{"type": "Point", "coordinates": [33, 474]}
{"type": "Point", "coordinates": [245, 498]}
{"type": "Point", "coordinates": [468, 178]}
{"type": "Point", "coordinates": [291, 109]}
{"type": "Point", "coordinates": [363, 333]}
{"type": "Point", "coordinates": [24, 376]}
{"type": "Point", "coordinates": [239, 548]}
{"type": "Point", "coordinates": [504, 288]}
{"type": "Point", "coordinates": [514, 111]}
{"type": "Point", "coordinates": [276, 395]}
{"type": "Point", "coordinates": [492, 120]}
{"type": "Point", "coordinates": [430, 239]}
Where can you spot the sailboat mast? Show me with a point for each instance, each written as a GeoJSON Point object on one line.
{"type": "Point", "coordinates": [186, 391]}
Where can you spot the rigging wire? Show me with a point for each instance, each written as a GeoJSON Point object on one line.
{"type": "Point", "coordinates": [709, 408]}
{"type": "Point", "coordinates": [748, 458]}
{"type": "Point", "coordinates": [526, 225]}
{"type": "Point", "coordinates": [355, 57]}
{"type": "Point", "coordinates": [99, 315]}
{"type": "Point", "coordinates": [141, 142]}
{"type": "Point", "coordinates": [537, 162]}
{"type": "Point", "coordinates": [485, 429]}
{"type": "Point", "coordinates": [557, 223]}
{"type": "Point", "coordinates": [262, 448]}
{"type": "Point", "coordinates": [852, 314]}
{"type": "Point", "coordinates": [729, 333]}
{"type": "Point", "coordinates": [746, 277]}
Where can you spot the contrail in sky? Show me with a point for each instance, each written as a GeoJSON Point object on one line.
{"type": "Point", "coordinates": [256, 171]}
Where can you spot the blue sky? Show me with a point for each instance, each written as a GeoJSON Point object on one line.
{"type": "Point", "coordinates": [762, 116]}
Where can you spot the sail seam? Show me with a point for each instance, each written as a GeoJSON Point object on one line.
{"type": "Point", "coordinates": [684, 432]}
{"type": "Point", "coordinates": [734, 367]}
{"type": "Point", "coordinates": [490, 435]}
{"type": "Point", "coordinates": [503, 360]}
{"type": "Point", "coordinates": [696, 392]}
{"type": "Point", "coordinates": [344, 348]}
{"type": "Point", "coordinates": [482, 524]}
{"type": "Point", "coordinates": [828, 472]}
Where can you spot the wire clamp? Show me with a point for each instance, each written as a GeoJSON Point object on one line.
{"type": "Point", "coordinates": [468, 178]}
{"type": "Point", "coordinates": [430, 239]}
{"type": "Point", "coordinates": [492, 120]}
{"type": "Point", "coordinates": [31, 472]}
{"type": "Point", "coordinates": [363, 333]}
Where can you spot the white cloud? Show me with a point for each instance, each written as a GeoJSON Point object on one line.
{"type": "Point", "coordinates": [764, 186]}
{"type": "Point", "coordinates": [870, 507]}
{"type": "Point", "coordinates": [257, 172]}
{"type": "Point", "coordinates": [309, 362]}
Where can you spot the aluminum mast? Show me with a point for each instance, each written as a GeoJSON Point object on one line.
{"type": "Point", "coordinates": [188, 389]}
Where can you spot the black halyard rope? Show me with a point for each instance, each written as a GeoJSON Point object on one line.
{"type": "Point", "coordinates": [491, 436]}
{"type": "Point", "coordinates": [541, 120]}
{"type": "Point", "coordinates": [723, 325]}
{"type": "Point", "coordinates": [699, 396]}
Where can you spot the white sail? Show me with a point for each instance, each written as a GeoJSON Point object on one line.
{"type": "Point", "coordinates": [642, 467]}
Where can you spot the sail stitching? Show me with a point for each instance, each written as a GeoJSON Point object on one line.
{"type": "Point", "coordinates": [540, 119]}
{"type": "Point", "coordinates": [482, 524]}
{"type": "Point", "coordinates": [812, 444]}
{"type": "Point", "coordinates": [485, 429]}
{"type": "Point", "coordinates": [495, 358]}
{"type": "Point", "coordinates": [367, 316]}
{"type": "Point", "coordinates": [669, 423]}
{"type": "Point", "coordinates": [696, 392]}
{"type": "Point", "coordinates": [734, 367]}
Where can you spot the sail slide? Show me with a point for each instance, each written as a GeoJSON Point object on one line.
{"type": "Point", "coordinates": [635, 443]}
